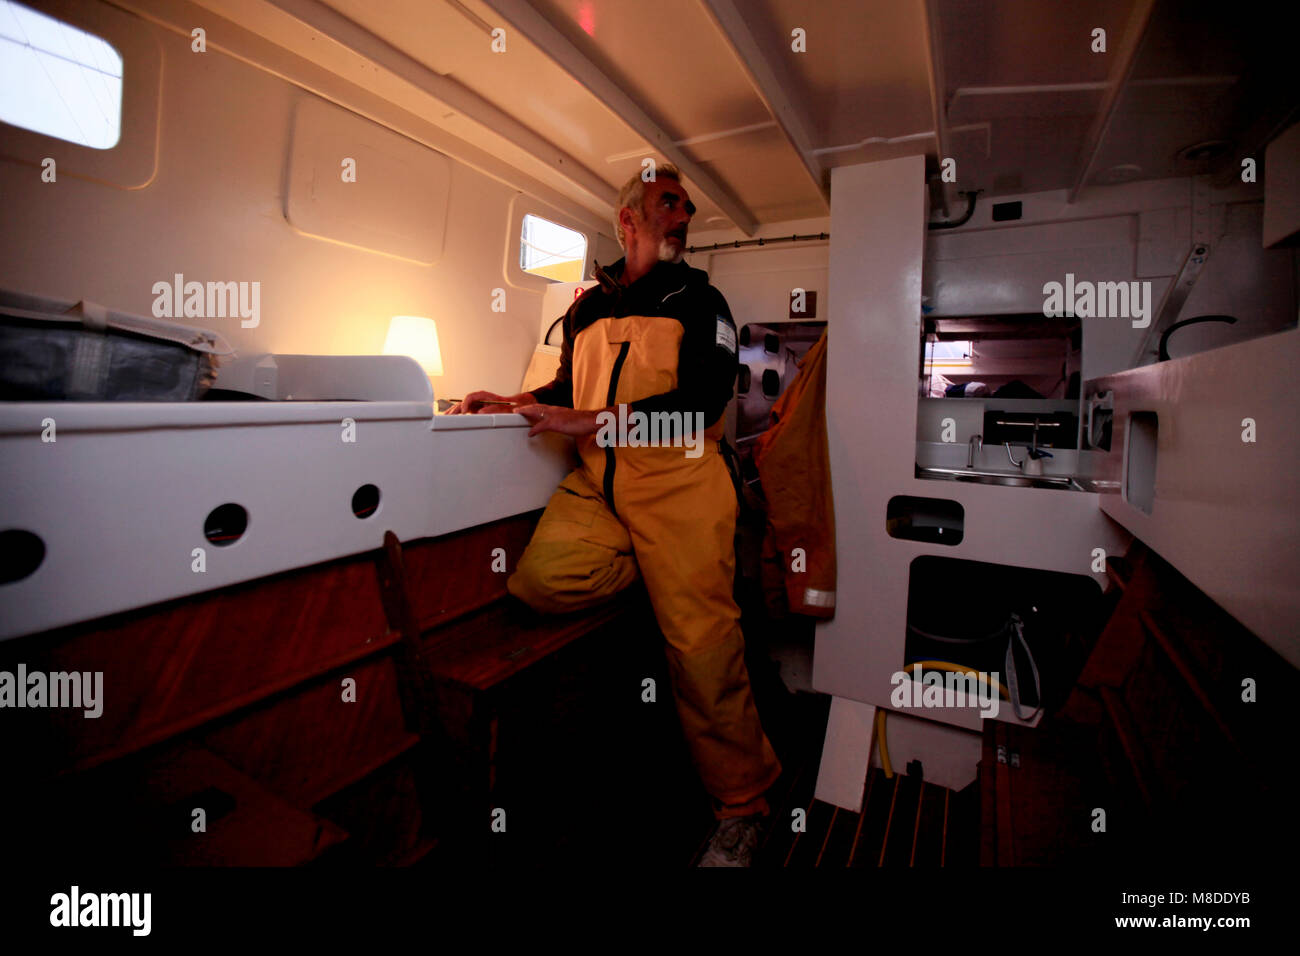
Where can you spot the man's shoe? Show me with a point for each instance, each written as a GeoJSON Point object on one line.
{"type": "Point", "coordinates": [733, 842]}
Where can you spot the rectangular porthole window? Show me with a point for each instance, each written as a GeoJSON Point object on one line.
{"type": "Point", "coordinates": [550, 250]}
{"type": "Point", "coordinates": [941, 355]}
{"type": "Point", "coordinates": [58, 80]}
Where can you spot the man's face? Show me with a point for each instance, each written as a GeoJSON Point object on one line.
{"type": "Point", "coordinates": [665, 217]}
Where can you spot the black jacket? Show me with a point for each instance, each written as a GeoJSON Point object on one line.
{"type": "Point", "coordinates": [707, 361]}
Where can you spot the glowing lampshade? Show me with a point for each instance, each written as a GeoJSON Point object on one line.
{"type": "Point", "coordinates": [417, 337]}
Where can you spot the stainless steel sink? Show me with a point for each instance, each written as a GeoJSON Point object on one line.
{"type": "Point", "coordinates": [1098, 486]}
{"type": "Point", "coordinates": [1000, 478]}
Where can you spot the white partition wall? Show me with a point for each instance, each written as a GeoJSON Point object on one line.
{"type": "Point", "coordinates": [878, 225]}
{"type": "Point", "coordinates": [878, 214]}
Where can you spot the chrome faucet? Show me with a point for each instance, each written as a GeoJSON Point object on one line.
{"type": "Point", "coordinates": [1032, 450]}
{"type": "Point", "coordinates": [976, 444]}
{"type": "Point", "coordinates": [1032, 453]}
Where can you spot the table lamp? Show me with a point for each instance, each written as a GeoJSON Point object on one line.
{"type": "Point", "coordinates": [417, 337]}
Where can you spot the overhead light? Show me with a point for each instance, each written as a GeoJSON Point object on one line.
{"type": "Point", "coordinates": [1199, 152]}
{"type": "Point", "coordinates": [1123, 173]}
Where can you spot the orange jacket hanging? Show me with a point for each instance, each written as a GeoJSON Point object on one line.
{"type": "Point", "coordinates": [793, 460]}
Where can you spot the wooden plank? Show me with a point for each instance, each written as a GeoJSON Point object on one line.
{"type": "Point", "coordinates": [232, 707]}
{"type": "Point", "coordinates": [488, 648]}
{"type": "Point", "coordinates": [384, 815]}
{"type": "Point", "coordinates": [1192, 680]}
{"type": "Point", "coordinates": [171, 667]}
{"type": "Point", "coordinates": [927, 845]}
{"type": "Point", "coordinates": [1082, 706]}
{"type": "Point", "coordinates": [451, 576]}
{"type": "Point", "coordinates": [862, 816]}
{"type": "Point", "coordinates": [838, 846]}
{"type": "Point", "coordinates": [807, 846]}
{"type": "Point", "coordinates": [143, 809]}
{"type": "Point", "coordinates": [799, 744]}
{"type": "Point", "coordinates": [362, 769]}
{"type": "Point", "coordinates": [792, 791]}
{"type": "Point", "coordinates": [467, 775]}
{"type": "Point", "coordinates": [1119, 572]}
{"type": "Point", "coordinates": [927, 842]}
{"type": "Point", "coordinates": [1053, 791]}
{"type": "Point", "coordinates": [1006, 805]}
{"type": "Point", "coordinates": [961, 847]}
{"type": "Point", "coordinates": [304, 744]}
{"type": "Point", "coordinates": [988, 799]}
{"type": "Point", "coordinates": [901, 837]}
{"type": "Point", "coordinates": [261, 830]}
{"type": "Point", "coordinates": [889, 819]}
{"type": "Point", "coordinates": [1118, 647]}
{"type": "Point", "coordinates": [875, 819]}
{"type": "Point", "coordinates": [916, 830]}
{"type": "Point", "coordinates": [1131, 742]}
{"type": "Point", "coordinates": [419, 697]}
{"type": "Point", "coordinates": [1205, 658]}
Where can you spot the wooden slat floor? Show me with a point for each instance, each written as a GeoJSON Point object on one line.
{"type": "Point", "coordinates": [590, 774]}
{"type": "Point", "coordinates": [905, 823]}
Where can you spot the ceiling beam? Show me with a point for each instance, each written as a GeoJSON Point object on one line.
{"type": "Point", "coordinates": [334, 26]}
{"type": "Point", "coordinates": [1126, 59]}
{"type": "Point", "coordinates": [771, 81]}
{"type": "Point", "coordinates": [244, 31]}
{"type": "Point", "coordinates": [521, 16]}
{"type": "Point", "coordinates": [938, 107]}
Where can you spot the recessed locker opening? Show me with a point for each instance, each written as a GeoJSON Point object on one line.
{"type": "Point", "coordinates": [963, 613]}
{"type": "Point", "coordinates": [937, 520]}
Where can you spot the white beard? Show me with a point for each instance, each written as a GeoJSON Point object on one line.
{"type": "Point", "coordinates": [669, 253]}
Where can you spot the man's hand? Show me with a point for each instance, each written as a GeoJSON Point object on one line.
{"type": "Point", "coordinates": [488, 403]}
{"type": "Point", "coordinates": [556, 418]}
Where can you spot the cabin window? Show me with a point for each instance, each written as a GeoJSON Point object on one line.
{"type": "Point", "coordinates": [58, 80]}
{"type": "Point", "coordinates": [941, 355]}
{"type": "Point", "coordinates": [550, 250]}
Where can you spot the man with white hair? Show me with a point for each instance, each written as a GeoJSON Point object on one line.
{"type": "Point", "coordinates": [656, 337]}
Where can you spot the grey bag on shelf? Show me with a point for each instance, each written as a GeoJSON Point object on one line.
{"type": "Point", "coordinates": [56, 350]}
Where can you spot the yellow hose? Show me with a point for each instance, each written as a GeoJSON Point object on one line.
{"type": "Point", "coordinates": [883, 743]}
{"type": "Point", "coordinates": [958, 669]}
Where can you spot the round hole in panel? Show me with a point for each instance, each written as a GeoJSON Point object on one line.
{"type": "Point", "coordinates": [365, 501]}
{"type": "Point", "coordinates": [21, 553]}
{"type": "Point", "coordinates": [225, 524]}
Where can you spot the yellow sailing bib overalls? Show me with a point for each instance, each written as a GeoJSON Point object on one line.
{"type": "Point", "coordinates": [657, 513]}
